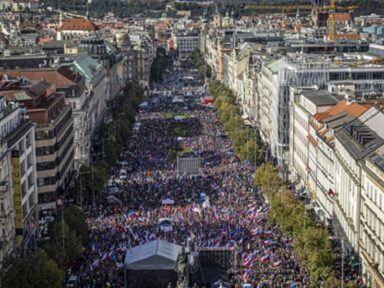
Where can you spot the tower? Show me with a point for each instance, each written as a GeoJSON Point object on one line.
{"type": "Point", "coordinates": [87, 12]}
{"type": "Point", "coordinates": [217, 20]}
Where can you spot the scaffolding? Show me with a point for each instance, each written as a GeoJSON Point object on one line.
{"type": "Point", "coordinates": [299, 71]}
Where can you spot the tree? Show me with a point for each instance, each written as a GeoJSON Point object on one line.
{"type": "Point", "coordinates": [67, 255]}
{"type": "Point", "coordinates": [35, 271]}
{"type": "Point", "coordinates": [75, 219]}
{"type": "Point", "coordinates": [267, 178]}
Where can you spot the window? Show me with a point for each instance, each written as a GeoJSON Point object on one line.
{"type": "Point", "coordinates": [25, 209]}
{"type": "Point", "coordinates": [31, 200]}
{"type": "Point", "coordinates": [40, 182]}
{"type": "Point", "coordinates": [41, 151]}
{"type": "Point", "coordinates": [30, 181]}
{"type": "Point", "coordinates": [28, 140]}
{"type": "Point", "coordinates": [24, 189]}
{"type": "Point", "coordinates": [43, 135]}
{"type": "Point", "coordinates": [21, 147]}
{"type": "Point", "coordinates": [46, 197]}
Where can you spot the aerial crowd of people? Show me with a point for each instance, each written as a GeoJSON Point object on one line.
{"type": "Point", "coordinates": [217, 208]}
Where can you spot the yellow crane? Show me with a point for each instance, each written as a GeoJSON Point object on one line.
{"type": "Point", "coordinates": [290, 7]}
{"type": "Point", "coordinates": [331, 20]}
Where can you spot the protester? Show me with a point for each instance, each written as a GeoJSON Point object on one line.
{"type": "Point", "coordinates": [232, 215]}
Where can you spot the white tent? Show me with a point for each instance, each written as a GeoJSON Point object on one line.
{"type": "Point", "coordinates": [154, 255]}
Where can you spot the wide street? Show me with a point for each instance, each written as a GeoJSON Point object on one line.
{"type": "Point", "coordinates": [171, 124]}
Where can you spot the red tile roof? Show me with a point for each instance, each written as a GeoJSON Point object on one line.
{"type": "Point", "coordinates": [343, 17]}
{"type": "Point", "coordinates": [78, 24]}
{"type": "Point", "coordinates": [61, 78]}
{"type": "Point", "coordinates": [353, 109]}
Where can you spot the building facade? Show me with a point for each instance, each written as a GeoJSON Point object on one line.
{"type": "Point", "coordinates": [54, 136]}
{"type": "Point", "coordinates": [18, 186]}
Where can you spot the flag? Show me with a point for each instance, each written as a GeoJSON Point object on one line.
{"type": "Point", "coordinates": [247, 273]}
{"type": "Point", "coordinates": [276, 264]}
{"type": "Point", "coordinates": [257, 231]}
{"type": "Point", "coordinates": [104, 256]}
{"type": "Point", "coordinates": [132, 233]}
{"type": "Point", "coordinates": [268, 242]}
{"type": "Point", "coordinates": [265, 258]}
{"type": "Point", "coordinates": [248, 261]}
{"type": "Point", "coordinates": [95, 264]}
{"type": "Point", "coordinates": [215, 216]}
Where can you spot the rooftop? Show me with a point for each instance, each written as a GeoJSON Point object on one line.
{"type": "Point", "coordinates": [78, 24]}
{"type": "Point", "coordinates": [359, 138]}
{"type": "Point", "coordinates": [352, 109]}
{"type": "Point", "coordinates": [319, 97]}
{"type": "Point", "coordinates": [62, 77]}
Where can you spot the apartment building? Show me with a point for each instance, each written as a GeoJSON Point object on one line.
{"type": "Point", "coordinates": [77, 96]}
{"type": "Point", "coordinates": [110, 57]}
{"type": "Point", "coordinates": [144, 50]}
{"type": "Point", "coordinates": [94, 74]}
{"type": "Point", "coordinates": [54, 138]}
{"type": "Point", "coordinates": [353, 143]}
{"type": "Point", "coordinates": [321, 138]}
{"type": "Point", "coordinates": [372, 215]}
{"type": "Point", "coordinates": [123, 42]}
{"type": "Point", "coordinates": [186, 41]}
{"type": "Point", "coordinates": [18, 186]}
{"type": "Point", "coordinates": [304, 103]}
{"type": "Point", "coordinates": [265, 87]}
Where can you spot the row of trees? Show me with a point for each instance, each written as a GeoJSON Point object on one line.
{"type": "Point", "coordinates": [91, 179]}
{"type": "Point", "coordinates": [246, 142]}
{"type": "Point", "coordinates": [198, 61]}
{"type": "Point", "coordinates": [45, 267]}
{"type": "Point", "coordinates": [311, 242]}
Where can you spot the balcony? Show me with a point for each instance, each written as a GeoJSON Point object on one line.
{"type": "Point", "coordinates": [5, 213]}
{"type": "Point", "coordinates": [4, 186]}
{"type": "Point", "coordinates": [19, 132]}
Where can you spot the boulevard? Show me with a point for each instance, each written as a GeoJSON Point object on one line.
{"type": "Point", "coordinates": [235, 216]}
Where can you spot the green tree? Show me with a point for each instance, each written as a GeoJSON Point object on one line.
{"type": "Point", "coordinates": [35, 271]}
{"type": "Point", "coordinates": [67, 255]}
{"type": "Point", "coordinates": [75, 219]}
{"type": "Point", "coordinates": [267, 178]}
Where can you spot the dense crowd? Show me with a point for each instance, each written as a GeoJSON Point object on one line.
{"type": "Point", "coordinates": [231, 213]}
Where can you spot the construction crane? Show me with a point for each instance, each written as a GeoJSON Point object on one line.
{"type": "Point", "coordinates": [283, 22]}
{"type": "Point", "coordinates": [290, 7]}
{"type": "Point", "coordinates": [331, 21]}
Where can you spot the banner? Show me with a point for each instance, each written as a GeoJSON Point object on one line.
{"type": "Point", "coordinates": [17, 197]}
